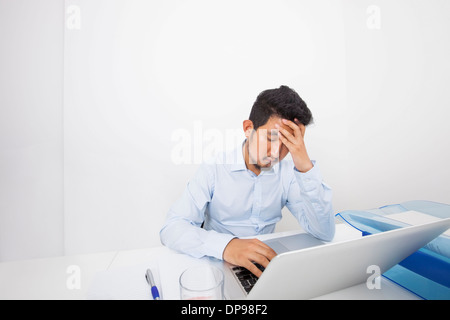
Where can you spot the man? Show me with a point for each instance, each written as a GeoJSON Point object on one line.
{"type": "Point", "coordinates": [243, 195]}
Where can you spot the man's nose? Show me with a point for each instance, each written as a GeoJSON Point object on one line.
{"type": "Point", "coordinates": [274, 149]}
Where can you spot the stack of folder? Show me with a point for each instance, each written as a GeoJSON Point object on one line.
{"type": "Point", "coordinates": [427, 271]}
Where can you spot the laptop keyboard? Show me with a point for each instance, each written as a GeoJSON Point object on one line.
{"type": "Point", "coordinates": [245, 277]}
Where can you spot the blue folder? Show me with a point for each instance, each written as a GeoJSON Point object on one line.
{"type": "Point", "coordinates": [427, 271]}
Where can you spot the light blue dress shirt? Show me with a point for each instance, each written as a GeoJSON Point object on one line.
{"type": "Point", "coordinates": [232, 202]}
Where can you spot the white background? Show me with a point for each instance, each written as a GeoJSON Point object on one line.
{"type": "Point", "coordinates": [90, 109]}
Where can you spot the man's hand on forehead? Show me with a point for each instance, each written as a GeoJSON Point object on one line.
{"type": "Point", "coordinates": [291, 135]}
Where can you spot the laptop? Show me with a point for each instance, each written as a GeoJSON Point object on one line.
{"type": "Point", "coordinates": [306, 268]}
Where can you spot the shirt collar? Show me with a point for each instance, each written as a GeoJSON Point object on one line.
{"type": "Point", "coordinates": [236, 159]}
{"type": "Point", "coordinates": [237, 162]}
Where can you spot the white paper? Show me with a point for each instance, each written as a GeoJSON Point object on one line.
{"type": "Point", "coordinates": [127, 283]}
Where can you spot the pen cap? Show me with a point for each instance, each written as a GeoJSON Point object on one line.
{"type": "Point", "coordinates": [155, 292]}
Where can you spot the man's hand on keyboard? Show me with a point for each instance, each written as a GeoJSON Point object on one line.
{"type": "Point", "coordinates": [243, 252]}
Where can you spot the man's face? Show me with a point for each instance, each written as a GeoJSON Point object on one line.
{"type": "Point", "coordinates": [265, 148]}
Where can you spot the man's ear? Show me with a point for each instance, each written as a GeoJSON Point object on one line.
{"type": "Point", "coordinates": [248, 128]}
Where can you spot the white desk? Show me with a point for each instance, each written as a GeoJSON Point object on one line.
{"type": "Point", "coordinates": [48, 278]}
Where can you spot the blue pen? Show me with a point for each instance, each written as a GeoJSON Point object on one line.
{"type": "Point", "coordinates": [152, 284]}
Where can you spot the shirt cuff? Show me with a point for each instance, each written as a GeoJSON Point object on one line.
{"type": "Point", "coordinates": [309, 180]}
{"type": "Point", "coordinates": [216, 243]}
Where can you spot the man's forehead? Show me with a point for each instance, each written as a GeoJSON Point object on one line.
{"type": "Point", "coordinates": [272, 130]}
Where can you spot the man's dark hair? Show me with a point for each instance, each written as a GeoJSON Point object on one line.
{"type": "Point", "coordinates": [283, 102]}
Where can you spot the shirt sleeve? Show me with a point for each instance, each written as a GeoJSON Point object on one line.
{"type": "Point", "coordinates": [182, 229]}
{"type": "Point", "coordinates": [310, 201]}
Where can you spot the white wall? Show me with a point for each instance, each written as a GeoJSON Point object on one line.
{"type": "Point", "coordinates": [397, 78]}
{"type": "Point", "coordinates": [31, 172]}
{"type": "Point", "coordinates": [138, 73]}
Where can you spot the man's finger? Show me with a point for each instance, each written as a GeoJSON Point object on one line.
{"type": "Point", "coordinates": [293, 126]}
{"type": "Point", "coordinates": [253, 269]}
{"type": "Point", "coordinates": [266, 251]}
{"type": "Point", "coordinates": [302, 129]}
{"type": "Point", "coordinates": [285, 141]}
{"type": "Point", "coordinates": [286, 134]}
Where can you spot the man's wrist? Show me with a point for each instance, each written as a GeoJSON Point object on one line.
{"type": "Point", "coordinates": [304, 166]}
{"type": "Point", "coordinates": [225, 248]}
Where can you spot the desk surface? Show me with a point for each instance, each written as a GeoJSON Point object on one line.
{"type": "Point", "coordinates": [70, 277]}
